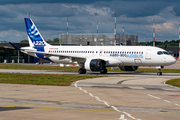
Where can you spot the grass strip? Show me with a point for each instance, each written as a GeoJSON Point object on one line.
{"type": "Point", "coordinates": [42, 79]}
{"type": "Point", "coordinates": [174, 82]}
{"type": "Point", "coordinates": [37, 67]}
{"type": "Point", "coordinates": [43, 67]}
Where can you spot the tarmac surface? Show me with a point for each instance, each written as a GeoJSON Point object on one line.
{"type": "Point", "coordinates": [119, 96]}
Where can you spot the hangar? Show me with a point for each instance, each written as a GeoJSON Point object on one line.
{"type": "Point", "coordinates": [8, 54]}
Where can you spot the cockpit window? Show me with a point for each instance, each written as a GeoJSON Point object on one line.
{"type": "Point", "coordinates": [159, 53]}
{"type": "Point", "coordinates": [162, 52]}
{"type": "Point", "coordinates": [166, 53]}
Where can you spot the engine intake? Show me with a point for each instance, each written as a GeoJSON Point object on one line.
{"type": "Point", "coordinates": [129, 68]}
{"type": "Point", "coordinates": [95, 64]}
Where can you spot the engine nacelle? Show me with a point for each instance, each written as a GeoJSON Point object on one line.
{"type": "Point", "coordinates": [94, 64]}
{"type": "Point", "coordinates": [129, 68]}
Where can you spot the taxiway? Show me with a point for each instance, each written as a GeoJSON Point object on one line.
{"type": "Point", "coordinates": [120, 96]}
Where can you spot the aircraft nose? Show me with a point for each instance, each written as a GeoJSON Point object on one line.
{"type": "Point", "coordinates": [171, 60]}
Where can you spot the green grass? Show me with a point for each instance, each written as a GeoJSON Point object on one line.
{"type": "Point", "coordinates": [42, 67]}
{"type": "Point", "coordinates": [42, 79]}
{"type": "Point", "coordinates": [61, 80]}
{"type": "Point", "coordinates": [174, 82]}
{"type": "Point", "coordinates": [37, 67]}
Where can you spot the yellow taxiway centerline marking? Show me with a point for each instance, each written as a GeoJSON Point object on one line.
{"type": "Point", "coordinates": [29, 105]}
{"type": "Point", "coordinates": [65, 101]}
{"type": "Point", "coordinates": [47, 103]}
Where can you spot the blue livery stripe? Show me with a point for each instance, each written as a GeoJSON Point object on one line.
{"type": "Point", "coordinates": [34, 34]}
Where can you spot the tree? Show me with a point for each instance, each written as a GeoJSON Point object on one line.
{"type": "Point", "coordinates": [49, 41]}
{"type": "Point", "coordinates": [24, 41]}
{"type": "Point", "coordinates": [4, 41]}
{"type": "Point", "coordinates": [56, 40]}
{"type": "Point", "coordinates": [161, 44]}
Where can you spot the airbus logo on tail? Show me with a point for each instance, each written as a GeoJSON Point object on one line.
{"type": "Point", "coordinates": [33, 33]}
{"type": "Point", "coordinates": [39, 42]}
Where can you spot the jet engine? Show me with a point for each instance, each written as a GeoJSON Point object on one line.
{"type": "Point", "coordinates": [95, 65]}
{"type": "Point", "coordinates": [129, 68]}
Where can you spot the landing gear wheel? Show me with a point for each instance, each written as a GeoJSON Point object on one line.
{"type": "Point", "coordinates": [104, 71]}
{"type": "Point", "coordinates": [82, 71]}
{"type": "Point", "coordinates": [159, 73]}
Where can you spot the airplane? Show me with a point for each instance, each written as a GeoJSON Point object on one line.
{"type": "Point", "coordinates": [95, 58]}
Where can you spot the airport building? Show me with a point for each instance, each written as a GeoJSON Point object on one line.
{"type": "Point", "coordinates": [99, 39]}
{"type": "Point", "coordinates": [9, 55]}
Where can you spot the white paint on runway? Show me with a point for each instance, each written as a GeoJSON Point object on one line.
{"type": "Point", "coordinates": [163, 100]}
{"type": "Point", "coordinates": [106, 103]}
{"type": "Point", "coordinates": [154, 96]}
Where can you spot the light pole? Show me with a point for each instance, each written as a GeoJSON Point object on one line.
{"type": "Point", "coordinates": [153, 32]}
{"type": "Point", "coordinates": [115, 28]}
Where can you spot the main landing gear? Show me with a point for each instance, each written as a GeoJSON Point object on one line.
{"type": "Point", "coordinates": [159, 73]}
{"type": "Point", "coordinates": [103, 71]}
{"type": "Point", "coordinates": [82, 71]}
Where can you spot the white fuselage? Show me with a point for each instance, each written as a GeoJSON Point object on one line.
{"type": "Point", "coordinates": [114, 55]}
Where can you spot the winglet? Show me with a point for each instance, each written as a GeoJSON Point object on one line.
{"type": "Point", "coordinates": [15, 46]}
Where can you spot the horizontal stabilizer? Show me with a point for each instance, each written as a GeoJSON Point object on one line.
{"type": "Point", "coordinates": [15, 46]}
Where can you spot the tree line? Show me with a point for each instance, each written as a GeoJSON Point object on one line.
{"type": "Point", "coordinates": [161, 44]}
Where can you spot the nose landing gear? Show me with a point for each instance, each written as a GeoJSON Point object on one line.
{"type": "Point", "coordinates": [159, 73]}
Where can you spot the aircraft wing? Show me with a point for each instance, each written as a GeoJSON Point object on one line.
{"type": "Point", "coordinates": [109, 61]}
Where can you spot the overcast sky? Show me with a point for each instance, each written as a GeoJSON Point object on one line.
{"type": "Point", "coordinates": [50, 16]}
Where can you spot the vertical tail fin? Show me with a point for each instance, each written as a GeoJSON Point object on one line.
{"type": "Point", "coordinates": [34, 36]}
